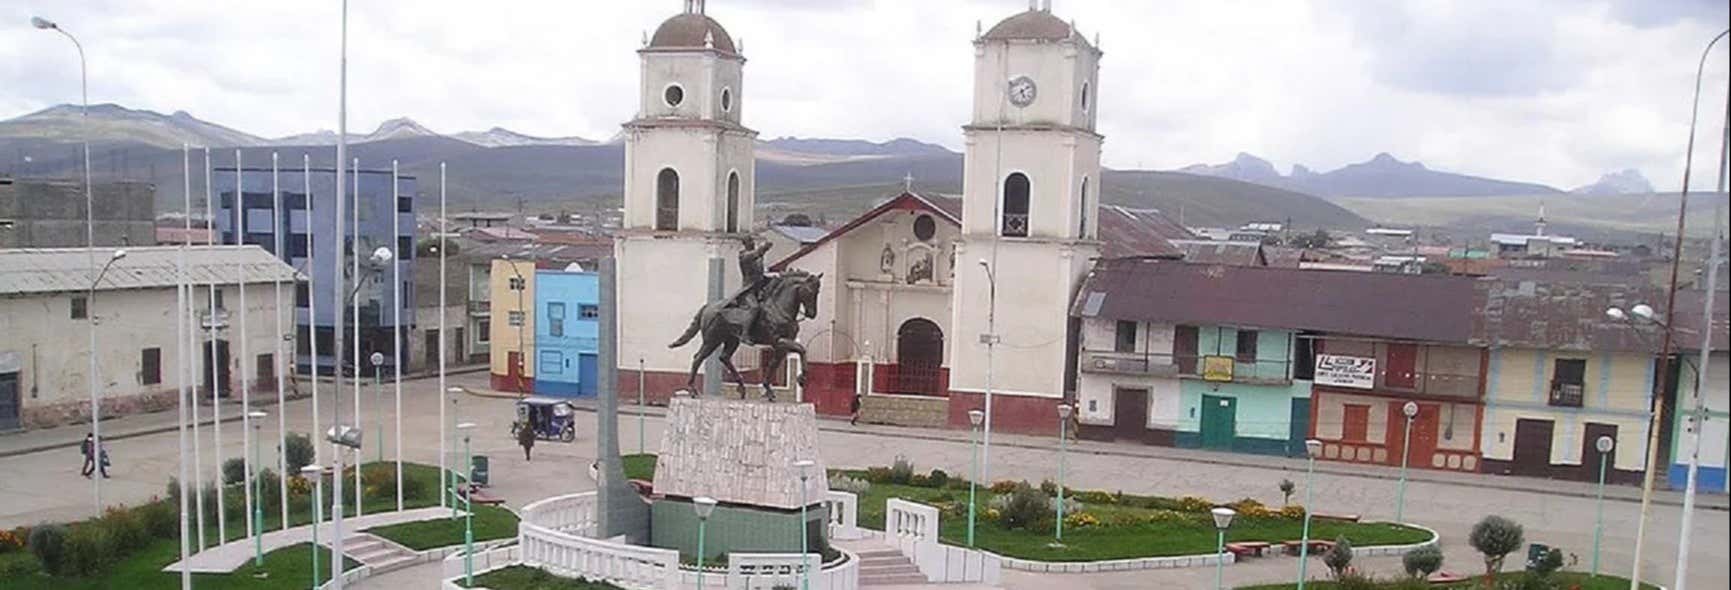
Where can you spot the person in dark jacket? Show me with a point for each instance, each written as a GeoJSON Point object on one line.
{"type": "Point", "coordinates": [88, 449]}
{"type": "Point", "coordinates": [526, 437]}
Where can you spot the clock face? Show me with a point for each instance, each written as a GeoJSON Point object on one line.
{"type": "Point", "coordinates": [1022, 91]}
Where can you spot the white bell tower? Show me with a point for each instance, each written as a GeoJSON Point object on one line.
{"type": "Point", "coordinates": [1030, 202]}
{"type": "Point", "coordinates": [688, 195]}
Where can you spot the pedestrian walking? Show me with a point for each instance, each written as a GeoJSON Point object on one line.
{"type": "Point", "coordinates": [526, 437]}
{"type": "Point", "coordinates": [88, 449]}
{"type": "Point", "coordinates": [854, 421]}
{"type": "Point", "coordinates": [103, 462]}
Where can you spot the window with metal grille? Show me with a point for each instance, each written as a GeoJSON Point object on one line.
{"type": "Point", "coordinates": [150, 367]}
{"type": "Point", "coordinates": [1246, 352]}
{"type": "Point", "coordinates": [1016, 194]}
{"type": "Point", "coordinates": [1568, 382]}
{"type": "Point", "coordinates": [80, 307]}
{"type": "Point", "coordinates": [667, 200]}
{"type": "Point", "coordinates": [514, 319]}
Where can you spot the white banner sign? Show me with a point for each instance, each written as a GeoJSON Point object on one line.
{"type": "Point", "coordinates": [1346, 371]}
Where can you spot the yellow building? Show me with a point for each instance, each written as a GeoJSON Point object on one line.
{"type": "Point", "coordinates": [513, 324]}
{"type": "Point", "coordinates": [1562, 373]}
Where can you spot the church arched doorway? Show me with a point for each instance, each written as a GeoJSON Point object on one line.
{"type": "Point", "coordinates": [919, 357]}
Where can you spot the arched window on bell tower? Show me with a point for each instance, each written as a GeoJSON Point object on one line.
{"type": "Point", "coordinates": [1082, 214]}
{"type": "Point", "coordinates": [732, 202]}
{"type": "Point", "coordinates": [1015, 209]}
{"type": "Point", "coordinates": [667, 200]}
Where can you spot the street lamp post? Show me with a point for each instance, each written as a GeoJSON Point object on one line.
{"type": "Point", "coordinates": [317, 474]}
{"type": "Point", "coordinates": [95, 411]}
{"type": "Point", "coordinates": [1312, 448]}
{"type": "Point", "coordinates": [341, 436]}
{"type": "Point", "coordinates": [804, 466]}
{"type": "Point", "coordinates": [990, 338]}
{"type": "Point", "coordinates": [1410, 410]}
{"type": "Point", "coordinates": [257, 531]}
{"type": "Point", "coordinates": [89, 234]}
{"type": "Point", "coordinates": [1604, 444]}
{"type": "Point", "coordinates": [975, 417]}
{"type": "Point", "coordinates": [1222, 520]}
{"type": "Point", "coordinates": [468, 512]}
{"type": "Point", "coordinates": [1064, 412]}
{"type": "Point", "coordinates": [705, 506]}
{"type": "Point", "coordinates": [450, 393]}
{"type": "Point", "coordinates": [378, 360]}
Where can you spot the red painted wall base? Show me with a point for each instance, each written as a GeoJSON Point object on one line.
{"type": "Point", "coordinates": [1010, 413]}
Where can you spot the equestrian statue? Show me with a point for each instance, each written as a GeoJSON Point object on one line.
{"type": "Point", "coordinates": [765, 311]}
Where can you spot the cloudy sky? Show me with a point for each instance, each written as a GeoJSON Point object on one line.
{"type": "Point", "coordinates": [1553, 91]}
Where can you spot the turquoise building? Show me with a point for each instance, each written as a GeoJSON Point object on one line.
{"type": "Point", "coordinates": [1254, 405]}
{"type": "Point", "coordinates": [567, 309]}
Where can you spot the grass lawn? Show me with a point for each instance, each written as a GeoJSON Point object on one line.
{"type": "Point", "coordinates": [640, 467]}
{"type": "Point", "coordinates": [290, 568]}
{"type": "Point", "coordinates": [519, 577]}
{"type": "Point", "coordinates": [1565, 579]}
{"type": "Point", "coordinates": [300, 511]}
{"type": "Point", "coordinates": [141, 570]}
{"type": "Point", "coordinates": [491, 522]}
{"type": "Point", "coordinates": [1188, 536]}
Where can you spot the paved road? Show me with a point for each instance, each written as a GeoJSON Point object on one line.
{"type": "Point", "coordinates": [1557, 513]}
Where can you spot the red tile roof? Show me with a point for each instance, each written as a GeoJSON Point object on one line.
{"type": "Point", "coordinates": [945, 208]}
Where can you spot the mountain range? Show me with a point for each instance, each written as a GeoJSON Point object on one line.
{"type": "Point", "coordinates": [1387, 176]}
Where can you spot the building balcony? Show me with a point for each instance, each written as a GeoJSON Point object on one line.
{"type": "Point", "coordinates": [1129, 363]}
{"type": "Point", "coordinates": [1566, 395]}
{"type": "Point", "coordinates": [480, 308]}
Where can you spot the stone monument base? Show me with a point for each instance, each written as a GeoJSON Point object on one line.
{"type": "Point", "coordinates": [735, 529]}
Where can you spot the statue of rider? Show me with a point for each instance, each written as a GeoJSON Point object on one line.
{"type": "Point", "coordinates": [751, 272]}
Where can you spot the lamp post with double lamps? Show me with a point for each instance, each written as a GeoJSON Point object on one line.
{"type": "Point", "coordinates": [975, 417]}
{"type": "Point", "coordinates": [1604, 444]}
{"type": "Point", "coordinates": [990, 339]}
{"type": "Point", "coordinates": [1312, 448]}
{"type": "Point", "coordinates": [1410, 410]}
{"type": "Point", "coordinates": [704, 506]}
{"type": "Point", "coordinates": [1222, 521]}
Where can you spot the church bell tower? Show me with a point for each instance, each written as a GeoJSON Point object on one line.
{"type": "Point", "coordinates": [1031, 182]}
{"type": "Point", "coordinates": [688, 195]}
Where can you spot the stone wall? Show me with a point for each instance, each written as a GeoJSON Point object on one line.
{"type": "Point", "coordinates": [740, 452]}
{"type": "Point", "coordinates": [78, 411]}
{"type": "Point", "coordinates": [904, 410]}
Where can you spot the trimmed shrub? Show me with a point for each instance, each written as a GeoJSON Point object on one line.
{"type": "Point", "coordinates": [1004, 486]}
{"type": "Point", "coordinates": [1096, 497]}
{"type": "Point", "coordinates": [298, 452]}
{"type": "Point", "coordinates": [1549, 563]}
{"type": "Point", "coordinates": [90, 548]}
{"type": "Point", "coordinates": [1048, 487]}
{"type": "Point", "coordinates": [852, 485]}
{"type": "Point", "coordinates": [1495, 537]}
{"type": "Point", "coordinates": [877, 474]}
{"type": "Point", "coordinates": [268, 489]}
{"type": "Point", "coordinates": [1423, 561]}
{"type": "Point", "coordinates": [1250, 509]}
{"type": "Point", "coordinates": [48, 544]}
{"type": "Point", "coordinates": [18, 564]}
{"type": "Point", "coordinates": [1286, 490]}
{"type": "Point", "coordinates": [124, 527]}
{"type": "Point", "coordinates": [1291, 511]}
{"type": "Point", "coordinates": [901, 471]}
{"type": "Point", "coordinates": [1194, 504]}
{"type": "Point", "coordinates": [920, 481]}
{"type": "Point", "coordinates": [1081, 520]}
{"type": "Point", "coordinates": [13, 540]}
{"type": "Point", "coordinates": [161, 519]}
{"type": "Point", "coordinates": [1338, 557]}
{"type": "Point", "coordinates": [233, 471]}
{"type": "Point", "coordinates": [1026, 508]}
{"type": "Point", "coordinates": [939, 478]}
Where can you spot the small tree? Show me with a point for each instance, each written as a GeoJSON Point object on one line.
{"type": "Point", "coordinates": [1338, 557]}
{"type": "Point", "coordinates": [1496, 537]}
{"type": "Point", "coordinates": [1423, 561]}
{"type": "Point", "coordinates": [234, 470]}
{"type": "Point", "coordinates": [1286, 490]}
{"type": "Point", "coordinates": [298, 453]}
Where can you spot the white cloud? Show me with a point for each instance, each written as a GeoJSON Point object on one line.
{"type": "Point", "coordinates": [1552, 91]}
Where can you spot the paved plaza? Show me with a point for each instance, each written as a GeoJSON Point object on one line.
{"type": "Point", "coordinates": [43, 484]}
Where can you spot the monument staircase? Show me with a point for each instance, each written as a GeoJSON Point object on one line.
{"type": "Point", "coordinates": [886, 566]}
{"type": "Point", "coordinates": [377, 553]}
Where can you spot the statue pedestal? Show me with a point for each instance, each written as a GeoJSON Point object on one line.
{"type": "Point", "coordinates": [741, 453]}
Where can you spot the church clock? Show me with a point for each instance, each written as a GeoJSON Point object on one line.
{"type": "Point", "coordinates": [1022, 91]}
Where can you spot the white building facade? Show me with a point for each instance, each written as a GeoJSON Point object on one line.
{"type": "Point", "coordinates": [46, 307]}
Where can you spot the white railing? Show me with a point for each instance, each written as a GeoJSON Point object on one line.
{"type": "Point", "coordinates": [764, 571]}
{"type": "Point", "coordinates": [572, 556]}
{"type": "Point", "coordinates": [843, 510]}
{"type": "Point", "coordinates": [570, 513]}
{"type": "Point", "coordinates": [907, 522]}
{"type": "Point", "coordinates": [913, 529]}
{"type": "Point", "coordinates": [485, 561]}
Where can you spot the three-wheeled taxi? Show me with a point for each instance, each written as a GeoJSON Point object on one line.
{"type": "Point", "coordinates": [549, 418]}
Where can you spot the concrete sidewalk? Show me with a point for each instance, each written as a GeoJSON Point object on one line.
{"type": "Point", "coordinates": [1614, 493]}
{"type": "Point", "coordinates": [228, 557]}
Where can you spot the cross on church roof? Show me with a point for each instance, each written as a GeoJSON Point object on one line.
{"type": "Point", "coordinates": [908, 182]}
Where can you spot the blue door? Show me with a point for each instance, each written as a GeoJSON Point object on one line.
{"type": "Point", "coordinates": [588, 373]}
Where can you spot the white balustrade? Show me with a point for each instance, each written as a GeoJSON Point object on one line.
{"type": "Point", "coordinates": [569, 555]}
{"type": "Point", "coordinates": [570, 513]}
{"type": "Point", "coordinates": [906, 521]}
{"type": "Point", "coordinates": [843, 510]}
{"type": "Point", "coordinates": [913, 529]}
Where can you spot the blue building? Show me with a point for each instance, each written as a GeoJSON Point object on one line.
{"type": "Point", "coordinates": [567, 308]}
{"type": "Point", "coordinates": [299, 234]}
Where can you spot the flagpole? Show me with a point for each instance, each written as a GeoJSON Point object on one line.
{"type": "Point", "coordinates": [245, 384]}
{"type": "Point", "coordinates": [312, 303]}
{"type": "Point", "coordinates": [276, 223]}
{"type": "Point", "coordinates": [397, 321]}
{"type": "Point", "coordinates": [355, 308]}
{"type": "Point", "coordinates": [180, 330]}
{"type": "Point", "coordinates": [216, 365]}
{"type": "Point", "coordinates": [442, 391]}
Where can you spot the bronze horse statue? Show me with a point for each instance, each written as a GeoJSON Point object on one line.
{"type": "Point", "coordinates": [772, 321]}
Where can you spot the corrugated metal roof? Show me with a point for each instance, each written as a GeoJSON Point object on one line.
{"type": "Point", "coordinates": [804, 234]}
{"type": "Point", "coordinates": [52, 270]}
{"type": "Point", "coordinates": [1558, 315]}
{"type": "Point", "coordinates": [1212, 252]}
{"type": "Point", "coordinates": [1130, 233]}
{"type": "Point", "coordinates": [1414, 307]}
